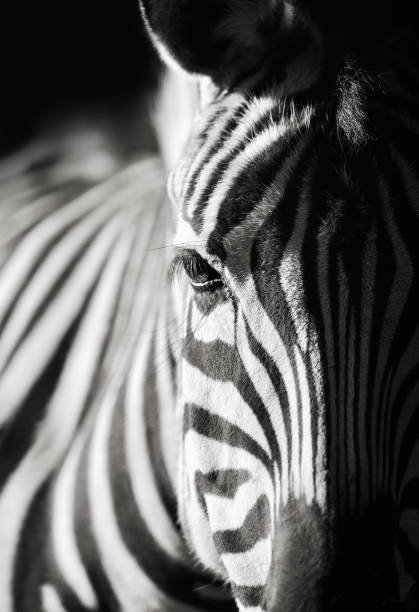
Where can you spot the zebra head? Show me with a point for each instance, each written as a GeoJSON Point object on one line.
{"type": "Point", "coordinates": [297, 215]}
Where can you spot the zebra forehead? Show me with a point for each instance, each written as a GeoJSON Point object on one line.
{"type": "Point", "coordinates": [234, 171]}
{"type": "Point", "coordinates": [229, 122]}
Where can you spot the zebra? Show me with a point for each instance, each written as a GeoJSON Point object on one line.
{"type": "Point", "coordinates": [87, 348]}
{"type": "Point", "coordinates": [297, 202]}
{"type": "Point", "coordinates": [245, 435]}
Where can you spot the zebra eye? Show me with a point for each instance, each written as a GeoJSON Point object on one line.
{"type": "Point", "coordinates": [202, 276]}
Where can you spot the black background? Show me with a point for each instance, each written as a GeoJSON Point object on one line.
{"type": "Point", "coordinates": [61, 54]}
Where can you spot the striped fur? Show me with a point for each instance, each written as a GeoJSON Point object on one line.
{"type": "Point", "coordinates": [299, 376]}
{"type": "Point", "coordinates": [257, 427]}
{"type": "Point", "coordinates": [88, 348]}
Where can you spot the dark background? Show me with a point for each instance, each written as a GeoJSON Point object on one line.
{"type": "Point", "coordinates": [61, 56]}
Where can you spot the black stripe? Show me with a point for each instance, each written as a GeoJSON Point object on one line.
{"type": "Point", "coordinates": [225, 483]}
{"type": "Point", "coordinates": [256, 526]}
{"type": "Point", "coordinates": [219, 482]}
{"type": "Point", "coordinates": [250, 597]}
{"type": "Point", "coordinates": [216, 428]}
{"type": "Point", "coordinates": [32, 545]}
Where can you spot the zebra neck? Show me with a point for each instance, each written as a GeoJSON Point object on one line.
{"type": "Point", "coordinates": [88, 453]}
{"type": "Point", "coordinates": [120, 542]}
{"type": "Point", "coordinates": [72, 311]}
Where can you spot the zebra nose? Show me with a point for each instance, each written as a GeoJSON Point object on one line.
{"type": "Point", "coordinates": [340, 604]}
{"type": "Point", "coordinates": [299, 559]}
{"type": "Point", "coordinates": [350, 606]}
{"type": "Point", "coordinates": [349, 590]}
{"type": "Point", "coordinates": [317, 599]}
{"type": "Point", "coordinates": [348, 568]}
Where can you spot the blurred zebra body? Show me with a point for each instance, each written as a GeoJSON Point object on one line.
{"type": "Point", "coordinates": [88, 462]}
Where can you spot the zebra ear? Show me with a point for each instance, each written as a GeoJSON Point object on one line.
{"type": "Point", "coordinates": [229, 39]}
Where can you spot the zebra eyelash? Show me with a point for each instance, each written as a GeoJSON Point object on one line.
{"type": "Point", "coordinates": [202, 276]}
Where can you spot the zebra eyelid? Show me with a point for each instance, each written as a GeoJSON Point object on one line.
{"type": "Point", "coordinates": [176, 266]}
{"type": "Point", "coordinates": [188, 260]}
{"type": "Point", "coordinates": [215, 281]}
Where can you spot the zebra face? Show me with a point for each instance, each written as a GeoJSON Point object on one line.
{"type": "Point", "coordinates": [251, 387]}
{"type": "Point", "coordinates": [287, 470]}
{"type": "Point", "coordinates": [298, 379]}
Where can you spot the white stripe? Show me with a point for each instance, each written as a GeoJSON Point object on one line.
{"type": "Point", "coordinates": [251, 568]}
{"type": "Point", "coordinates": [290, 272]}
{"type": "Point", "coordinates": [307, 466]}
{"type": "Point", "coordinates": [66, 550]}
{"type": "Point", "coordinates": [166, 394]}
{"type": "Point", "coordinates": [50, 599]}
{"type": "Point", "coordinates": [138, 459]}
{"type": "Point", "coordinates": [218, 325]}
